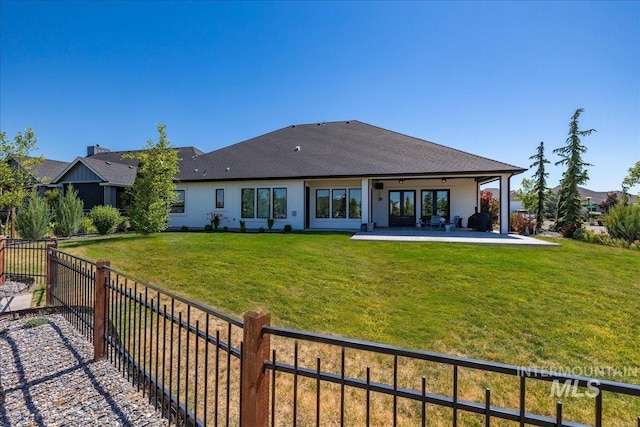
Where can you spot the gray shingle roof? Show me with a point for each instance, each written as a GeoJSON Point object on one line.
{"type": "Point", "coordinates": [335, 149]}
{"type": "Point", "coordinates": [48, 169]}
{"type": "Point", "coordinates": [119, 171]}
{"type": "Point", "coordinates": [117, 174]}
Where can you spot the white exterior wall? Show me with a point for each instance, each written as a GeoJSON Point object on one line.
{"type": "Point", "coordinates": [200, 200]}
{"type": "Point", "coordinates": [463, 194]}
{"type": "Point", "coordinates": [335, 223]}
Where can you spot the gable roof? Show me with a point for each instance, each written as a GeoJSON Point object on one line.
{"type": "Point", "coordinates": [110, 167]}
{"type": "Point", "coordinates": [335, 149]}
{"type": "Point", "coordinates": [48, 170]}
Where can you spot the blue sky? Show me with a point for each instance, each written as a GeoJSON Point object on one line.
{"type": "Point", "coordinates": [490, 78]}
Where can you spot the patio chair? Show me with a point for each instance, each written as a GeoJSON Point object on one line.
{"type": "Point", "coordinates": [436, 221]}
{"type": "Point", "coordinates": [455, 221]}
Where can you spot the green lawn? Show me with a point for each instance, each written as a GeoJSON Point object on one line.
{"type": "Point", "coordinates": [572, 305]}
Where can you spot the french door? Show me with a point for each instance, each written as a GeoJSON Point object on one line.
{"type": "Point", "coordinates": [402, 208]}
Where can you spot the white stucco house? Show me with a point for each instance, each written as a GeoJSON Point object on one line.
{"type": "Point", "coordinates": [337, 175]}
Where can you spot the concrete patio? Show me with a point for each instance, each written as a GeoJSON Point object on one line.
{"type": "Point", "coordinates": [460, 235]}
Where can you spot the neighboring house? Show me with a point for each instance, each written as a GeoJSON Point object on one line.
{"type": "Point", "coordinates": [103, 176]}
{"type": "Point", "coordinates": [336, 175]}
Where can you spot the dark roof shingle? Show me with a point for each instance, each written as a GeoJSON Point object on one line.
{"type": "Point", "coordinates": [335, 149]}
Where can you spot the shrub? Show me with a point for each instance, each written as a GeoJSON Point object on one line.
{"type": "Point", "coordinates": [184, 228]}
{"type": "Point", "coordinates": [623, 222]}
{"type": "Point", "coordinates": [261, 230]}
{"type": "Point", "coordinates": [270, 222]}
{"type": "Point", "coordinates": [86, 226]}
{"type": "Point", "coordinates": [243, 226]}
{"type": "Point", "coordinates": [105, 218]}
{"type": "Point", "coordinates": [215, 219]}
{"type": "Point", "coordinates": [225, 228]}
{"type": "Point", "coordinates": [69, 213]}
{"type": "Point", "coordinates": [287, 228]}
{"type": "Point", "coordinates": [32, 221]}
{"type": "Point", "coordinates": [123, 225]}
{"type": "Point", "coordinates": [519, 223]}
{"type": "Point", "coordinates": [208, 227]}
{"type": "Point", "coordinates": [567, 230]}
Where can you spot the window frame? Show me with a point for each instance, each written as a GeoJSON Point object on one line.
{"type": "Point", "coordinates": [259, 213]}
{"type": "Point", "coordinates": [280, 215]}
{"type": "Point", "coordinates": [181, 203]}
{"type": "Point", "coordinates": [219, 201]}
{"type": "Point", "coordinates": [253, 203]}
{"type": "Point", "coordinates": [358, 203]}
{"type": "Point", "coordinates": [328, 207]}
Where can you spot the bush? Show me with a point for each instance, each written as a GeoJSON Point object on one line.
{"type": "Point", "coordinates": [86, 226]}
{"type": "Point", "coordinates": [225, 228]}
{"type": "Point", "coordinates": [261, 230]}
{"type": "Point", "coordinates": [32, 221]}
{"type": "Point", "coordinates": [184, 228]}
{"type": "Point", "coordinates": [287, 228]}
{"type": "Point", "coordinates": [123, 225]}
{"type": "Point", "coordinates": [105, 218]}
{"type": "Point", "coordinates": [623, 222]}
{"type": "Point", "coordinates": [519, 223]}
{"type": "Point", "coordinates": [69, 213]}
{"type": "Point", "coordinates": [568, 230]}
{"type": "Point", "coordinates": [243, 226]}
{"type": "Point", "coordinates": [208, 227]}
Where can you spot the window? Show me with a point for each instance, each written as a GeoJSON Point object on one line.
{"type": "Point", "coordinates": [264, 202]}
{"type": "Point", "coordinates": [220, 198]}
{"type": "Point", "coordinates": [322, 203]}
{"type": "Point", "coordinates": [279, 203]}
{"type": "Point", "coordinates": [339, 203]}
{"type": "Point", "coordinates": [435, 202]}
{"type": "Point", "coordinates": [248, 202]}
{"type": "Point", "coordinates": [178, 206]}
{"type": "Point", "coordinates": [355, 203]}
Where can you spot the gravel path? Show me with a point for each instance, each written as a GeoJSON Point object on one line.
{"type": "Point", "coordinates": [48, 378]}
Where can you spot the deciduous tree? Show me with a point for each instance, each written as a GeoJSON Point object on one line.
{"type": "Point", "coordinates": [569, 199]}
{"type": "Point", "coordinates": [153, 192]}
{"type": "Point", "coordinates": [632, 179]}
{"type": "Point", "coordinates": [16, 179]}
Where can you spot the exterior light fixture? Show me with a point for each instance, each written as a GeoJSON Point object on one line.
{"type": "Point", "coordinates": [444, 180]}
{"type": "Point", "coordinates": [401, 181]}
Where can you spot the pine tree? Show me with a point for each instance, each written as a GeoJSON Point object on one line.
{"type": "Point", "coordinates": [569, 199]}
{"type": "Point", "coordinates": [540, 182]}
{"type": "Point", "coordinates": [153, 192]}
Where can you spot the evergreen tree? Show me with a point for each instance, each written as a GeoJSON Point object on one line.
{"type": "Point", "coordinates": [569, 199]}
{"type": "Point", "coordinates": [153, 192]}
{"type": "Point", "coordinates": [32, 220]}
{"type": "Point", "coordinates": [68, 213]}
{"type": "Point", "coordinates": [540, 182]}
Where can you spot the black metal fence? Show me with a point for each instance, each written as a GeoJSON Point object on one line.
{"type": "Point", "coordinates": [185, 357]}
{"type": "Point", "coordinates": [201, 367]}
{"type": "Point", "coordinates": [24, 260]}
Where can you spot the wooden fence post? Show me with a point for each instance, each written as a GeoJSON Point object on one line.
{"type": "Point", "coordinates": [254, 411]}
{"type": "Point", "coordinates": [100, 308]}
{"type": "Point", "coordinates": [3, 277]}
{"type": "Point", "coordinates": [52, 244]}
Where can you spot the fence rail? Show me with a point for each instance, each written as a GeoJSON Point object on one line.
{"type": "Point", "coordinates": [200, 367]}
{"type": "Point", "coordinates": [23, 261]}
